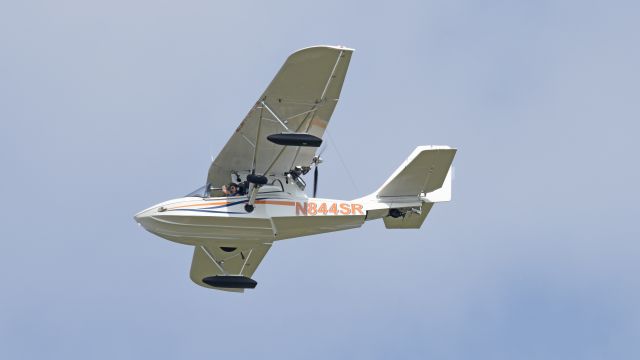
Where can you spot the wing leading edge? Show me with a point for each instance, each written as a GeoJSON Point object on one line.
{"type": "Point", "coordinates": [301, 99]}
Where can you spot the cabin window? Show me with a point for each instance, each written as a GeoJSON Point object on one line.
{"type": "Point", "coordinates": [200, 192]}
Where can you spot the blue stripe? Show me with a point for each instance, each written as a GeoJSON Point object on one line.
{"type": "Point", "coordinates": [213, 211]}
{"type": "Point", "coordinates": [210, 209]}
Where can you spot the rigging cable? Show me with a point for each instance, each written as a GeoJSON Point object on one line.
{"type": "Point", "coordinates": [346, 169]}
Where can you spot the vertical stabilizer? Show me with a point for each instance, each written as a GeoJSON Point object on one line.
{"type": "Point", "coordinates": [405, 199]}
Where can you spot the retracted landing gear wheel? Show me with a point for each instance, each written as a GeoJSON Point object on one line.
{"type": "Point", "coordinates": [248, 208]}
{"type": "Point", "coordinates": [395, 213]}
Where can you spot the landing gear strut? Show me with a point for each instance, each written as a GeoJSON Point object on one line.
{"type": "Point", "coordinates": [256, 182]}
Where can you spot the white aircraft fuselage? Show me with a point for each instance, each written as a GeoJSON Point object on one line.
{"type": "Point", "coordinates": [278, 215]}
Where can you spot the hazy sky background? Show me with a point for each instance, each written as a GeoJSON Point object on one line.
{"type": "Point", "coordinates": [107, 107]}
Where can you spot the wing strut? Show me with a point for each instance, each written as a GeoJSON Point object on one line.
{"type": "Point", "coordinates": [255, 181]}
{"type": "Point", "coordinates": [333, 71]}
{"type": "Point", "coordinates": [219, 263]}
{"type": "Point", "coordinates": [283, 123]}
{"type": "Point", "coordinates": [214, 260]}
{"type": "Point", "coordinates": [245, 260]}
{"type": "Point", "coordinates": [255, 148]}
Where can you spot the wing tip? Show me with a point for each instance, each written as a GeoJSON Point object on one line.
{"type": "Point", "coordinates": [333, 47]}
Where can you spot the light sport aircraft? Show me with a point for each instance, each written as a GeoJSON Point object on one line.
{"type": "Point", "coordinates": [267, 155]}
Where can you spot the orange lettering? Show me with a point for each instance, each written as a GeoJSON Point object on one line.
{"type": "Point", "coordinates": [312, 208]}
{"type": "Point", "coordinates": [334, 209]}
{"type": "Point", "coordinates": [345, 209]}
{"type": "Point", "coordinates": [356, 207]}
{"type": "Point", "coordinates": [301, 208]}
{"type": "Point", "coordinates": [323, 208]}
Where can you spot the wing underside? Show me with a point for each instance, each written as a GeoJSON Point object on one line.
{"type": "Point", "coordinates": [214, 260]}
{"type": "Point", "coordinates": [300, 99]}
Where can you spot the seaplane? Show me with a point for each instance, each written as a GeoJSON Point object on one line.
{"type": "Point", "coordinates": [255, 192]}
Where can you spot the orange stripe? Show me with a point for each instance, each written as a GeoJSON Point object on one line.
{"type": "Point", "coordinates": [202, 204]}
{"type": "Point", "coordinates": [266, 202]}
{"type": "Point", "coordinates": [319, 123]}
{"type": "Point", "coordinates": [275, 202]}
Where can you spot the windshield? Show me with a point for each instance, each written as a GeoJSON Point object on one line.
{"type": "Point", "coordinates": [200, 192]}
{"type": "Point", "coordinates": [301, 183]}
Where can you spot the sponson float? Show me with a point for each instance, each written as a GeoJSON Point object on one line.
{"type": "Point", "coordinates": [266, 159]}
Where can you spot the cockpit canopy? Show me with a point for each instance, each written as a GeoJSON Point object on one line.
{"type": "Point", "coordinates": [201, 192]}
{"type": "Point", "coordinates": [275, 186]}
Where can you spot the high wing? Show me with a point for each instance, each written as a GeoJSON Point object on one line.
{"type": "Point", "coordinates": [213, 260]}
{"type": "Point", "coordinates": [300, 99]}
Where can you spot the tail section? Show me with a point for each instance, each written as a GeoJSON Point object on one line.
{"type": "Point", "coordinates": [405, 199]}
{"type": "Point", "coordinates": [424, 171]}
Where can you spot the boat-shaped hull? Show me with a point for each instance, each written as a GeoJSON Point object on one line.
{"type": "Point", "coordinates": [196, 221]}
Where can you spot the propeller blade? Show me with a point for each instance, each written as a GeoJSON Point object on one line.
{"type": "Point", "coordinates": [315, 180]}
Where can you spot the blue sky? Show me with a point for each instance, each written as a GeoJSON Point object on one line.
{"type": "Point", "coordinates": [108, 107]}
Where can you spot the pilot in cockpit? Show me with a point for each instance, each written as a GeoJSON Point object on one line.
{"type": "Point", "coordinates": [230, 189]}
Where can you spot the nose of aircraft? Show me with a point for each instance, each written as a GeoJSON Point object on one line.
{"type": "Point", "coordinates": [138, 217]}
{"type": "Point", "coordinates": [143, 218]}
